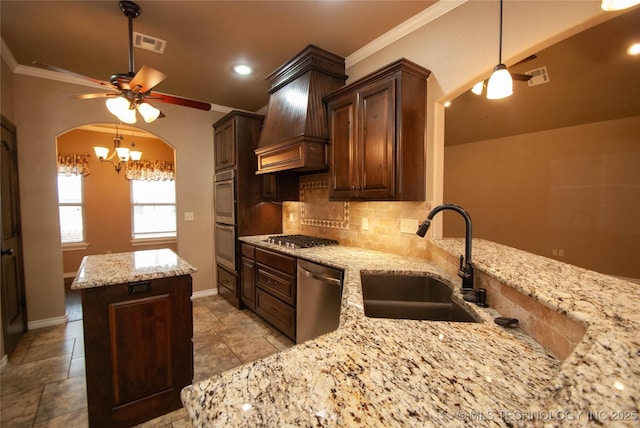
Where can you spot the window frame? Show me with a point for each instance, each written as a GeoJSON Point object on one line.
{"type": "Point", "coordinates": [82, 244]}
{"type": "Point", "coordinates": [148, 238]}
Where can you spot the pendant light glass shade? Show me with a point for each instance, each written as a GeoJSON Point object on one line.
{"type": "Point", "coordinates": [611, 5]}
{"type": "Point", "coordinates": [500, 83]}
{"type": "Point", "coordinates": [148, 112]}
{"type": "Point", "coordinates": [135, 155]}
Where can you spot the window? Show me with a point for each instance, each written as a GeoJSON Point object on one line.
{"type": "Point", "coordinates": [70, 202]}
{"type": "Point", "coordinates": [153, 205]}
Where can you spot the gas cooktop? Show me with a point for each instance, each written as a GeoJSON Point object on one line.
{"type": "Point", "coordinates": [300, 241]}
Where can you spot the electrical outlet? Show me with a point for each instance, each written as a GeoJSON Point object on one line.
{"type": "Point", "coordinates": [188, 216]}
{"type": "Point", "coordinates": [408, 225]}
{"type": "Point", "coordinates": [365, 223]}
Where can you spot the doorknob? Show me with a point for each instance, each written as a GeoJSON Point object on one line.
{"type": "Point", "coordinates": [6, 251]}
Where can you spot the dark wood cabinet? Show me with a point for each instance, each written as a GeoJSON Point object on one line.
{"type": "Point", "coordinates": [377, 128]}
{"type": "Point", "coordinates": [248, 275]}
{"type": "Point", "coordinates": [235, 139]}
{"type": "Point", "coordinates": [225, 145]}
{"type": "Point", "coordinates": [138, 349]}
{"type": "Point", "coordinates": [274, 284]}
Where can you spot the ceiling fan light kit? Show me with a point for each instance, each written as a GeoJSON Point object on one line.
{"type": "Point", "coordinates": [133, 89]}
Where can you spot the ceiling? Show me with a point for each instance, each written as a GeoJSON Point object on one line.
{"type": "Point", "coordinates": [591, 79]}
{"type": "Point", "coordinates": [204, 39]}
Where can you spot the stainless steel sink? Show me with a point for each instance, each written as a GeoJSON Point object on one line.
{"type": "Point", "coordinates": [409, 297]}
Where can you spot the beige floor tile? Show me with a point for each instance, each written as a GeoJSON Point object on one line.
{"type": "Point", "coordinates": [76, 419]}
{"type": "Point", "coordinates": [42, 351]}
{"type": "Point", "coordinates": [252, 349]}
{"type": "Point", "coordinates": [20, 407]}
{"type": "Point", "coordinates": [37, 373]}
{"type": "Point", "coordinates": [60, 398]}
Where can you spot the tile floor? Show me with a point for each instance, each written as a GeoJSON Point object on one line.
{"type": "Point", "coordinates": [43, 384]}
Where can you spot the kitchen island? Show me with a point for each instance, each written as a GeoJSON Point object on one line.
{"type": "Point", "coordinates": [385, 372]}
{"type": "Point", "coordinates": [138, 326]}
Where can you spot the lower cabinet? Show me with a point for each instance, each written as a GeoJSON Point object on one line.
{"type": "Point", "coordinates": [269, 278]}
{"type": "Point", "coordinates": [138, 349]}
{"type": "Point", "coordinates": [228, 285]}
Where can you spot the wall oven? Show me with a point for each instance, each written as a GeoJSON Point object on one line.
{"type": "Point", "coordinates": [225, 218]}
{"type": "Point", "coordinates": [225, 197]}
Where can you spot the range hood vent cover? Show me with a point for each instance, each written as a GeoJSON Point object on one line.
{"type": "Point", "coordinates": [295, 135]}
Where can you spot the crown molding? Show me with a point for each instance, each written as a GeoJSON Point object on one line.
{"type": "Point", "coordinates": [421, 19]}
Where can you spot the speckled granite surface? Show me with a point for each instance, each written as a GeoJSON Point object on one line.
{"type": "Point", "coordinates": [120, 268]}
{"type": "Point", "coordinates": [377, 372]}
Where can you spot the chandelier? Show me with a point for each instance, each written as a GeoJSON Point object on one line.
{"type": "Point", "coordinates": [122, 153]}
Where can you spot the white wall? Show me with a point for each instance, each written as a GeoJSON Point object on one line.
{"type": "Point", "coordinates": [41, 112]}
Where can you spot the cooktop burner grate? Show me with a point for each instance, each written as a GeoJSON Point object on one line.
{"type": "Point", "coordinates": [300, 241]}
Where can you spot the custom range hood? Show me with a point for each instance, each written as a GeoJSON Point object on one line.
{"type": "Point", "coordinates": [294, 135]}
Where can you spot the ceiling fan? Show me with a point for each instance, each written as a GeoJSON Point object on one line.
{"type": "Point", "coordinates": [132, 90]}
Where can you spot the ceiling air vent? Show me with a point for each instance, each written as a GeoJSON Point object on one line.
{"type": "Point", "coordinates": [149, 43]}
{"type": "Point", "coordinates": [540, 76]}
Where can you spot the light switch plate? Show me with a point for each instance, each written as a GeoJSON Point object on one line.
{"type": "Point", "coordinates": [365, 223]}
{"type": "Point", "coordinates": [408, 225]}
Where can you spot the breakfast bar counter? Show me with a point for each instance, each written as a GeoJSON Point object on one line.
{"type": "Point", "coordinates": [392, 372]}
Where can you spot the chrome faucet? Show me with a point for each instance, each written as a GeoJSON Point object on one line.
{"type": "Point", "coordinates": [466, 268]}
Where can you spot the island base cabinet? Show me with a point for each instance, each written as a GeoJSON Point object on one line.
{"type": "Point", "coordinates": [138, 349]}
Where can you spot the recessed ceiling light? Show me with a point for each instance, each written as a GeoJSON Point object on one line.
{"type": "Point", "coordinates": [242, 69]}
{"type": "Point", "coordinates": [634, 49]}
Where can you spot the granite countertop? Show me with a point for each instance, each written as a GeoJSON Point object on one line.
{"type": "Point", "coordinates": [385, 372]}
{"type": "Point", "coordinates": [121, 268]}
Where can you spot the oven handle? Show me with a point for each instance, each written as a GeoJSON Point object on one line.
{"type": "Point", "coordinates": [322, 278]}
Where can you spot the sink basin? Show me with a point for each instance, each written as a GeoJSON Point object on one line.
{"type": "Point", "coordinates": [409, 297]}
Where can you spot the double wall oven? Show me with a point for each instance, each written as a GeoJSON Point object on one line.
{"type": "Point", "coordinates": [225, 217]}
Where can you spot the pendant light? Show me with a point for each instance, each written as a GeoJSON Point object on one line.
{"type": "Point", "coordinates": [612, 5]}
{"type": "Point", "coordinates": [500, 83]}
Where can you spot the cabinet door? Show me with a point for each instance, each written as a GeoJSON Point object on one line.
{"type": "Point", "coordinates": [248, 282]}
{"type": "Point", "coordinates": [376, 139]}
{"type": "Point", "coordinates": [343, 177]}
{"type": "Point", "coordinates": [224, 145]}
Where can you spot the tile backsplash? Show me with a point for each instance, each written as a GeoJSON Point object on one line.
{"type": "Point", "coordinates": [315, 215]}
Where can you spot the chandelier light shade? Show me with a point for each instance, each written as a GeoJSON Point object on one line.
{"type": "Point", "coordinates": [500, 83]}
{"type": "Point", "coordinates": [135, 155]}
{"type": "Point", "coordinates": [477, 88]}
{"type": "Point", "coordinates": [101, 152]}
{"type": "Point", "coordinates": [611, 5]}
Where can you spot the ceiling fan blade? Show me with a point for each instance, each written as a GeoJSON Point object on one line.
{"type": "Point", "coordinates": [146, 78]}
{"type": "Point", "coordinates": [527, 59]}
{"type": "Point", "coordinates": [71, 73]}
{"type": "Point", "coordinates": [180, 101]}
{"type": "Point", "coordinates": [93, 96]}
{"type": "Point", "coordinates": [520, 77]}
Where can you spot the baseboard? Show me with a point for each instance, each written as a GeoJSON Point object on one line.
{"type": "Point", "coordinates": [48, 322]}
{"type": "Point", "coordinates": [4, 361]}
{"type": "Point", "coordinates": [204, 293]}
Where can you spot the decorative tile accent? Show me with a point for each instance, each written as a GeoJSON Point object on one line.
{"type": "Point", "coordinates": [317, 210]}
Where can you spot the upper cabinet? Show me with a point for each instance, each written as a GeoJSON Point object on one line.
{"type": "Point", "coordinates": [377, 130]}
{"type": "Point", "coordinates": [225, 143]}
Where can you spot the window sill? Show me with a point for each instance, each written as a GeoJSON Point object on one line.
{"type": "Point", "coordinates": [75, 246]}
{"type": "Point", "coordinates": [153, 241]}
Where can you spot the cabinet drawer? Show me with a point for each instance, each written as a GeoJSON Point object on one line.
{"type": "Point", "coordinates": [280, 284]}
{"type": "Point", "coordinates": [275, 260]}
{"type": "Point", "coordinates": [227, 280]}
{"type": "Point", "coordinates": [279, 314]}
{"type": "Point", "coordinates": [248, 251]}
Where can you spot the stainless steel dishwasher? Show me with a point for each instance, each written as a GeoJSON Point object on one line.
{"type": "Point", "coordinates": [319, 297]}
